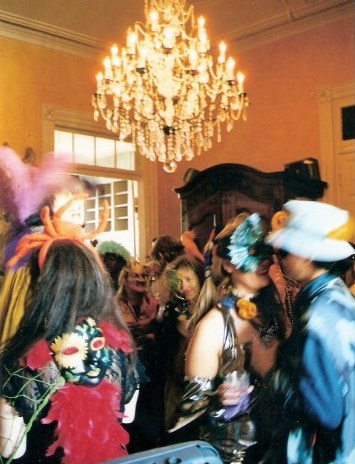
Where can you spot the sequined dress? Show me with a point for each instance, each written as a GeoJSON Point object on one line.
{"type": "Point", "coordinates": [254, 431]}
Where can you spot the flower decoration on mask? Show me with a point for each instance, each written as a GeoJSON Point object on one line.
{"type": "Point", "coordinates": [82, 356]}
{"type": "Point", "coordinates": [246, 309]}
{"type": "Point", "coordinates": [246, 248]}
{"type": "Point", "coordinates": [70, 351]}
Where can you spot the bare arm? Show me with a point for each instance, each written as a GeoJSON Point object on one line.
{"type": "Point", "coordinates": [205, 347]}
{"type": "Point", "coordinates": [204, 350]}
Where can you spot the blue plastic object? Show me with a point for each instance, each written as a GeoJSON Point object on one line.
{"type": "Point", "coordinates": [191, 452]}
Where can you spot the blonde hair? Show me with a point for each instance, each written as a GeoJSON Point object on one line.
{"type": "Point", "coordinates": [132, 266]}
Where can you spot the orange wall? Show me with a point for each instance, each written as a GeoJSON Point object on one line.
{"type": "Point", "coordinates": [32, 76]}
{"type": "Point", "coordinates": [282, 79]}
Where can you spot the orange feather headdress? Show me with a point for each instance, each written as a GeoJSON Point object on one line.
{"type": "Point", "coordinates": [55, 229]}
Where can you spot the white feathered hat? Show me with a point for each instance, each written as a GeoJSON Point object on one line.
{"type": "Point", "coordinates": [315, 230]}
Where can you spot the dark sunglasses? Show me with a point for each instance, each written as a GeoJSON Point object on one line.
{"type": "Point", "coordinates": [262, 251]}
{"type": "Point", "coordinates": [283, 253]}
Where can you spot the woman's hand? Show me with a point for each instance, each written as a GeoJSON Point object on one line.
{"type": "Point", "coordinates": [230, 394]}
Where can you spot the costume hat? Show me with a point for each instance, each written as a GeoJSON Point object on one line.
{"type": "Point", "coordinates": [242, 242]}
{"type": "Point", "coordinates": [114, 248]}
{"type": "Point", "coordinates": [316, 231]}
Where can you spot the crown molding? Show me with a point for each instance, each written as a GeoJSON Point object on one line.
{"type": "Point", "coordinates": [292, 23]}
{"type": "Point", "coordinates": [45, 35]}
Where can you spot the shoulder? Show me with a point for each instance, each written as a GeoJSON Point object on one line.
{"type": "Point", "coordinates": [122, 305]}
{"type": "Point", "coordinates": [214, 319]}
{"type": "Point", "coordinates": [331, 317]}
{"type": "Point", "coordinates": [210, 329]}
{"type": "Point", "coordinates": [333, 304]}
{"type": "Point", "coordinates": [205, 347]}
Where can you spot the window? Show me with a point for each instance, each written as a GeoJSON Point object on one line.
{"type": "Point", "coordinates": [101, 159]}
{"type": "Point", "coordinates": [348, 122]}
{"type": "Point", "coordinates": [122, 225]}
{"type": "Point", "coordinates": [121, 194]}
{"type": "Point", "coordinates": [95, 151]}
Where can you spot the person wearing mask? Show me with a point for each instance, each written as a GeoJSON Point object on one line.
{"type": "Point", "coordinates": [68, 371]}
{"type": "Point", "coordinates": [138, 308]}
{"type": "Point", "coordinates": [136, 305]}
{"type": "Point", "coordinates": [236, 331]}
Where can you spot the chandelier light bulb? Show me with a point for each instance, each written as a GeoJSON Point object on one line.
{"type": "Point", "coordinates": [201, 21]}
{"type": "Point", "coordinates": [229, 69]}
{"type": "Point", "coordinates": [240, 80]}
{"type": "Point", "coordinates": [131, 43]}
{"type": "Point", "coordinates": [163, 91]}
{"type": "Point", "coordinates": [99, 77]}
{"type": "Point", "coordinates": [153, 16]}
{"type": "Point", "coordinates": [222, 53]}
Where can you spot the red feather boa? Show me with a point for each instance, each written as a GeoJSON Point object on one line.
{"type": "Point", "coordinates": [88, 426]}
{"type": "Point", "coordinates": [117, 339]}
{"type": "Point", "coordinates": [38, 356]}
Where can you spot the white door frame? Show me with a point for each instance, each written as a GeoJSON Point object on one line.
{"type": "Point", "coordinates": [331, 144]}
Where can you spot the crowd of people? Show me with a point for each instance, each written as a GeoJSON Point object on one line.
{"type": "Point", "coordinates": [247, 344]}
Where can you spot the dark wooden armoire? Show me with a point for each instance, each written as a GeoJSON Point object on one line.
{"type": "Point", "coordinates": [211, 197]}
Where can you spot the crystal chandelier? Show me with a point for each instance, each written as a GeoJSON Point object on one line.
{"type": "Point", "coordinates": [163, 91]}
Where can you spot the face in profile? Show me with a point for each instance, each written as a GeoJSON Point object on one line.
{"type": "Point", "coordinates": [297, 268]}
{"type": "Point", "coordinates": [160, 290]}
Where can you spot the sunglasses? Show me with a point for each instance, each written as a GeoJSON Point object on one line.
{"type": "Point", "coordinates": [261, 251]}
{"type": "Point", "coordinates": [283, 253]}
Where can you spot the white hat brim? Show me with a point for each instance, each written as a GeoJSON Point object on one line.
{"type": "Point", "coordinates": [306, 246]}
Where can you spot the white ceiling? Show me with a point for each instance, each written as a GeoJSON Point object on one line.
{"type": "Point", "coordinates": [102, 22]}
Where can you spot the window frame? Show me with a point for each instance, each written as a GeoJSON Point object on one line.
{"type": "Point", "coordinates": [145, 173]}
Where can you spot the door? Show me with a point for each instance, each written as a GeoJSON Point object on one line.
{"type": "Point", "coordinates": [337, 141]}
{"type": "Point", "coordinates": [344, 153]}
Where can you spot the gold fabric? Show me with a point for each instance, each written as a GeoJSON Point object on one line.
{"type": "Point", "coordinates": [13, 292]}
